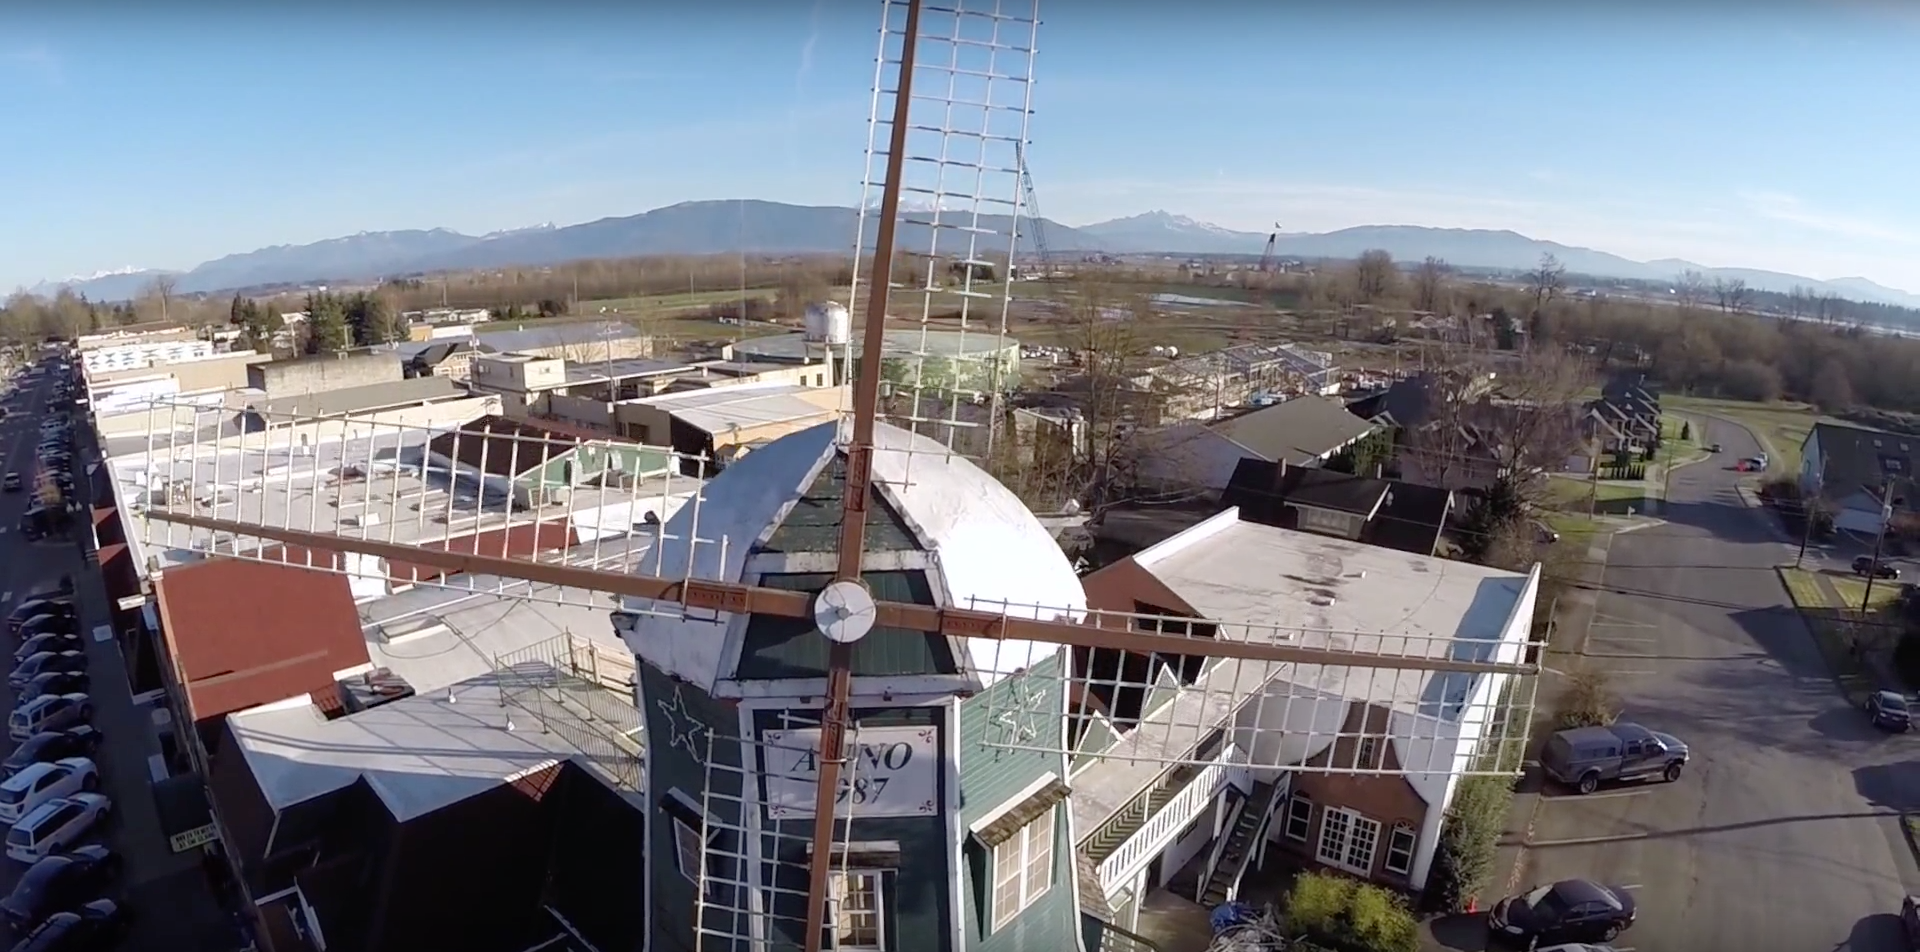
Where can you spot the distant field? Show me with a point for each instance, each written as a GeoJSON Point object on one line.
{"type": "Point", "coordinates": [656, 303]}
{"type": "Point", "coordinates": [1784, 425]}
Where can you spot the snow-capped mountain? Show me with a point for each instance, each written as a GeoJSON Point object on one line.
{"type": "Point", "coordinates": [731, 226]}
{"type": "Point", "coordinates": [1165, 231]}
{"type": "Point", "coordinates": [108, 285]}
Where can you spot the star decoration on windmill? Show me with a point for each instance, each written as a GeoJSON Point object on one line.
{"type": "Point", "coordinates": [1019, 722]}
{"type": "Point", "coordinates": [682, 727]}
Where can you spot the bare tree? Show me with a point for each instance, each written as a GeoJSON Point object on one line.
{"type": "Point", "coordinates": [1536, 420]}
{"type": "Point", "coordinates": [1374, 276]}
{"type": "Point", "coordinates": [1546, 281]}
{"type": "Point", "coordinates": [1429, 284]}
{"type": "Point", "coordinates": [1731, 293]}
{"type": "Point", "coordinates": [161, 288]}
{"type": "Point", "coordinates": [1690, 289]}
{"type": "Point", "coordinates": [1799, 301]}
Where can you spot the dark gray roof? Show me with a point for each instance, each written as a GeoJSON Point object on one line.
{"type": "Point", "coordinates": [1298, 431]}
{"type": "Point", "coordinates": [1859, 456]}
{"type": "Point", "coordinates": [1403, 515]}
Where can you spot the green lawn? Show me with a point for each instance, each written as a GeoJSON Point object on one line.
{"type": "Point", "coordinates": [1833, 628]}
{"type": "Point", "coordinates": [1784, 426]}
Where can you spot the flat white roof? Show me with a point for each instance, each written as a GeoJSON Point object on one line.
{"type": "Point", "coordinates": [748, 405]}
{"type": "Point", "coordinates": [1262, 583]}
{"type": "Point", "coordinates": [1266, 584]}
{"type": "Point", "coordinates": [419, 754]}
{"type": "Point", "coordinates": [433, 637]}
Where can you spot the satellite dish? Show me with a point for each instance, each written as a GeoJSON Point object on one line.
{"type": "Point", "coordinates": [844, 611]}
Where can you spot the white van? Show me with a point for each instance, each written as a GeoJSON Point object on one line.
{"type": "Point", "coordinates": [25, 791]}
{"type": "Point", "coordinates": [49, 712]}
{"type": "Point", "coordinates": [55, 826]}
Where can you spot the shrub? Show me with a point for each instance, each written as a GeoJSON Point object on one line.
{"type": "Point", "coordinates": [1589, 701]}
{"type": "Point", "coordinates": [1347, 915]}
{"type": "Point", "coordinates": [1469, 839]}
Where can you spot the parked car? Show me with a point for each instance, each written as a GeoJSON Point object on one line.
{"type": "Point", "coordinates": [59, 883]}
{"type": "Point", "coordinates": [45, 622]}
{"type": "Point", "coordinates": [1910, 921]}
{"type": "Point", "coordinates": [1865, 567]}
{"type": "Point", "coordinates": [1585, 757]}
{"type": "Point", "coordinates": [55, 826]}
{"type": "Point", "coordinates": [52, 713]}
{"type": "Point", "coordinates": [11, 483]}
{"type": "Point", "coordinates": [94, 927]}
{"type": "Point", "coordinates": [47, 746]}
{"type": "Point", "coordinates": [53, 682]}
{"type": "Point", "coordinates": [1889, 711]}
{"type": "Point", "coordinates": [46, 661]}
{"type": "Point", "coordinates": [1572, 910]}
{"type": "Point", "coordinates": [36, 605]}
{"type": "Point", "coordinates": [25, 791]}
{"type": "Point", "coordinates": [47, 640]}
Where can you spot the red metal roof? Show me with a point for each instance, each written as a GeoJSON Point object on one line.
{"type": "Point", "coordinates": [245, 633]}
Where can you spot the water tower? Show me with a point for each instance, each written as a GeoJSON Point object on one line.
{"type": "Point", "coordinates": [828, 328]}
{"type": "Point", "coordinates": [828, 324]}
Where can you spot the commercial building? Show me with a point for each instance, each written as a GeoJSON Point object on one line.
{"type": "Point", "coordinates": [1398, 740]}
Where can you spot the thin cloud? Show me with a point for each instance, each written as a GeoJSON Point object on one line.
{"type": "Point", "coordinates": [38, 62]}
{"type": "Point", "coordinates": [1781, 207]}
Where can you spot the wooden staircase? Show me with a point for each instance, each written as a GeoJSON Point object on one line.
{"type": "Point", "coordinates": [1137, 812]}
{"type": "Point", "coordinates": [1241, 840]}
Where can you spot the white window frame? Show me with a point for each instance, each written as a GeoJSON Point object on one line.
{"type": "Point", "coordinates": [1339, 840]}
{"type": "Point", "coordinates": [1306, 821]}
{"type": "Point", "coordinates": [1024, 850]}
{"type": "Point", "coordinates": [838, 886]}
{"type": "Point", "coordinates": [1393, 847]}
{"type": "Point", "coordinates": [1366, 754]}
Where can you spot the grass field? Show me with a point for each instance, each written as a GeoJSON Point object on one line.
{"type": "Point", "coordinates": [1783, 426]}
{"type": "Point", "coordinates": [656, 303]}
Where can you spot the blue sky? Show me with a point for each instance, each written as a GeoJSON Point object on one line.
{"type": "Point", "coordinates": [1778, 135]}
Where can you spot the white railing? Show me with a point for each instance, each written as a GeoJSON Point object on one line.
{"type": "Point", "coordinates": [1162, 827]}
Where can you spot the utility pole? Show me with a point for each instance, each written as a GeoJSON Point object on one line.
{"type": "Point", "coordinates": [1879, 538]}
{"type": "Point", "coordinates": [1806, 514]}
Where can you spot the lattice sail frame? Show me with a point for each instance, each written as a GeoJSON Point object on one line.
{"type": "Point", "coordinates": [950, 359]}
{"type": "Point", "coordinates": [397, 499]}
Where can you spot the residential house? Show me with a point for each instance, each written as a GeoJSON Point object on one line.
{"type": "Point", "coordinates": [1856, 470]}
{"type": "Point", "coordinates": [1194, 456]}
{"type": "Point", "coordinates": [452, 359]}
{"type": "Point", "coordinates": [1630, 409]}
{"type": "Point", "coordinates": [1352, 769]}
{"type": "Point", "coordinates": [1455, 432]}
{"type": "Point", "coordinates": [1389, 513]}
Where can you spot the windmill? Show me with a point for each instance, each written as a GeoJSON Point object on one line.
{"type": "Point", "coordinates": [890, 631]}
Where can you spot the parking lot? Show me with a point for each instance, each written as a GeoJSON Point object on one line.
{"type": "Point", "coordinates": [166, 894]}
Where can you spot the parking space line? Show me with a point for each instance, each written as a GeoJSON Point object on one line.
{"type": "Point", "coordinates": [1630, 672]}
{"type": "Point", "coordinates": [1609, 795]}
{"type": "Point", "coordinates": [6, 597]}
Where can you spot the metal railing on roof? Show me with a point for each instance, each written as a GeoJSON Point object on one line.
{"type": "Point", "coordinates": [583, 692]}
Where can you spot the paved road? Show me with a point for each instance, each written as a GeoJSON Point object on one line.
{"type": "Point", "coordinates": [1783, 834]}
{"type": "Point", "coordinates": [172, 906]}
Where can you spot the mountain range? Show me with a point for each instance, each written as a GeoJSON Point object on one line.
{"type": "Point", "coordinates": [760, 227]}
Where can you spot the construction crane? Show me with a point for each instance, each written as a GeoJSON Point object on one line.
{"type": "Point", "coordinates": [1266, 257]}
{"type": "Point", "coordinates": [1032, 205]}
